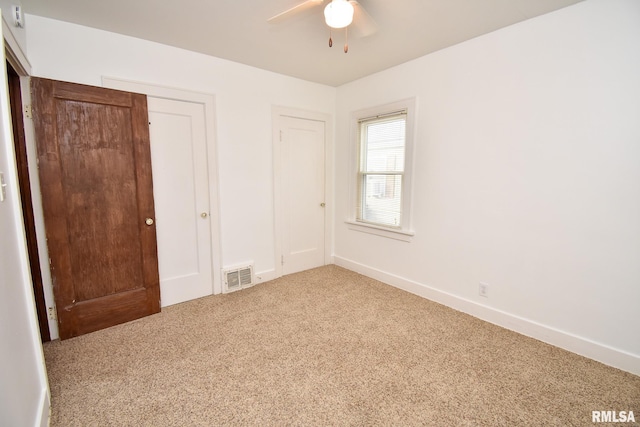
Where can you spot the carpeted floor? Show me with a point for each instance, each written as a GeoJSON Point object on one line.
{"type": "Point", "coordinates": [324, 347]}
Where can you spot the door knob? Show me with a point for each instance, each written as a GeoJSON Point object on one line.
{"type": "Point", "coordinates": [148, 221]}
{"type": "Point", "coordinates": [203, 214]}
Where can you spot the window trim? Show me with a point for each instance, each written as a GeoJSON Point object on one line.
{"type": "Point", "coordinates": [405, 231]}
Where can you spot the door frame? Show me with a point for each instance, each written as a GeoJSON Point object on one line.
{"type": "Point", "coordinates": [278, 211]}
{"type": "Point", "coordinates": [38, 213]}
{"type": "Point", "coordinates": [20, 63]}
{"type": "Point", "coordinates": [14, 84]}
{"type": "Point", "coordinates": [208, 102]}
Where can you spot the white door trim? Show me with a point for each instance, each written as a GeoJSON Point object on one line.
{"type": "Point", "coordinates": [276, 113]}
{"type": "Point", "coordinates": [13, 51]}
{"type": "Point", "coordinates": [208, 102]}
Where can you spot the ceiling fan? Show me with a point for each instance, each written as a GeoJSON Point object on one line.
{"type": "Point", "coordinates": [337, 14]}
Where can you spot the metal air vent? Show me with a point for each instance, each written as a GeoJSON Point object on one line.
{"type": "Point", "coordinates": [238, 278]}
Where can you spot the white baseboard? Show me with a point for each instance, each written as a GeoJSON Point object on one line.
{"type": "Point", "coordinates": [610, 356]}
{"type": "Point", "coordinates": [265, 276]}
{"type": "Point", "coordinates": [45, 407]}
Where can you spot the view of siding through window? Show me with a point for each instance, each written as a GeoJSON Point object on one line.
{"type": "Point", "coordinates": [382, 147]}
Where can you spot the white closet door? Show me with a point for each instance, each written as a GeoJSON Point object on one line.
{"type": "Point", "coordinates": [302, 150]}
{"type": "Point", "coordinates": [181, 193]}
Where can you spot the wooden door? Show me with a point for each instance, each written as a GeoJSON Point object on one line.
{"type": "Point", "coordinates": [97, 194]}
{"type": "Point", "coordinates": [181, 194]}
{"type": "Point", "coordinates": [302, 188]}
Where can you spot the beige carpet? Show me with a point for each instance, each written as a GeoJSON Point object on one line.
{"type": "Point", "coordinates": [324, 347]}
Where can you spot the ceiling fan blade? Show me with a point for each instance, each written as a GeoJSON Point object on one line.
{"type": "Point", "coordinates": [305, 5]}
{"type": "Point", "coordinates": [363, 23]}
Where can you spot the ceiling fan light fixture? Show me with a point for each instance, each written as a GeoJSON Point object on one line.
{"type": "Point", "coordinates": [338, 13]}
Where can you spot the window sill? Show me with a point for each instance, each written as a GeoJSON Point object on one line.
{"type": "Point", "coordinates": [402, 235]}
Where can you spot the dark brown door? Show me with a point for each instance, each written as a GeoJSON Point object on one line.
{"type": "Point", "coordinates": [95, 172]}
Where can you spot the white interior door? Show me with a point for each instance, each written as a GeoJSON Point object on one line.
{"type": "Point", "coordinates": [302, 152]}
{"type": "Point", "coordinates": [181, 193]}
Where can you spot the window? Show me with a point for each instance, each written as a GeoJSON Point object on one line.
{"type": "Point", "coordinates": [381, 167]}
{"type": "Point", "coordinates": [381, 196]}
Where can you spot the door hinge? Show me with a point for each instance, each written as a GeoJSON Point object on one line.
{"type": "Point", "coordinates": [52, 313]}
{"type": "Point", "coordinates": [280, 135]}
{"type": "Point", "coordinates": [281, 259]}
{"type": "Point", "coordinates": [27, 111]}
{"type": "Point", "coordinates": [3, 188]}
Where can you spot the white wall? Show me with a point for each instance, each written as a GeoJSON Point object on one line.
{"type": "Point", "coordinates": [244, 97]}
{"type": "Point", "coordinates": [24, 398]}
{"type": "Point", "coordinates": [527, 177]}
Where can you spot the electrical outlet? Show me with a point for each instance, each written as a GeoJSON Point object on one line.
{"type": "Point", "coordinates": [483, 290]}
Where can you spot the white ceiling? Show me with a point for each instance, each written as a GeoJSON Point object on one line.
{"type": "Point", "coordinates": [238, 29]}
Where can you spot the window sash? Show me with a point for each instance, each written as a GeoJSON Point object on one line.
{"type": "Point", "coordinates": [380, 201]}
{"type": "Point", "coordinates": [366, 148]}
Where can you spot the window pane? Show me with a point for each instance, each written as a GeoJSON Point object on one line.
{"type": "Point", "coordinates": [384, 145]}
{"type": "Point", "coordinates": [382, 201]}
